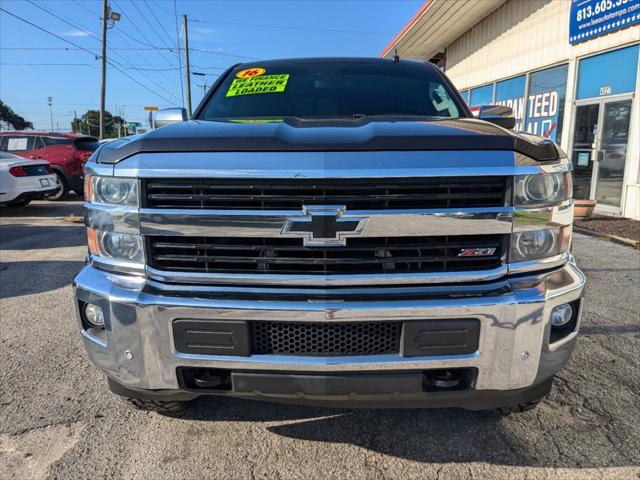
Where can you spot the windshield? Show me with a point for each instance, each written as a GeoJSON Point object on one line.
{"type": "Point", "coordinates": [332, 90]}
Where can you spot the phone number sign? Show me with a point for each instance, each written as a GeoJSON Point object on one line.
{"type": "Point", "coordinates": [592, 18]}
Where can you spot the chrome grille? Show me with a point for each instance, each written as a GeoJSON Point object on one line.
{"type": "Point", "coordinates": [361, 255]}
{"type": "Point", "coordinates": [355, 194]}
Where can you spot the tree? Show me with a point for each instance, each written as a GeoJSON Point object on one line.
{"type": "Point", "coordinates": [89, 124]}
{"type": "Point", "coordinates": [9, 116]}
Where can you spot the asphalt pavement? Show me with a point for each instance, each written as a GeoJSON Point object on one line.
{"type": "Point", "coordinates": [58, 420]}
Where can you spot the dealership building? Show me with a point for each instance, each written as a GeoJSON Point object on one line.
{"type": "Point", "coordinates": [568, 68]}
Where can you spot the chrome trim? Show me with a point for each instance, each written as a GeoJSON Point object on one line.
{"type": "Point", "coordinates": [534, 218]}
{"type": "Point", "coordinates": [117, 266]}
{"type": "Point", "coordinates": [94, 339]}
{"type": "Point", "coordinates": [387, 223]}
{"type": "Point", "coordinates": [540, 264]}
{"type": "Point", "coordinates": [92, 168]}
{"type": "Point", "coordinates": [112, 218]}
{"type": "Point", "coordinates": [382, 164]}
{"type": "Point", "coordinates": [326, 280]}
{"type": "Point", "coordinates": [512, 322]}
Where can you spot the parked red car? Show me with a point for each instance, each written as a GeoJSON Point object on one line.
{"type": "Point", "coordinates": [67, 154]}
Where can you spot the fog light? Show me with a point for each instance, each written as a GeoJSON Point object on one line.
{"type": "Point", "coordinates": [561, 315]}
{"type": "Point", "coordinates": [94, 315]}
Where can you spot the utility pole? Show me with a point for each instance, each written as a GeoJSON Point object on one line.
{"type": "Point", "coordinates": [103, 82]}
{"type": "Point", "coordinates": [51, 111]}
{"type": "Point", "coordinates": [186, 61]}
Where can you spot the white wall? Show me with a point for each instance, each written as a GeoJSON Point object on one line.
{"type": "Point", "coordinates": [519, 36]}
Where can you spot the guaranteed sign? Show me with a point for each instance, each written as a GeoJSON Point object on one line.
{"type": "Point", "coordinates": [251, 85]}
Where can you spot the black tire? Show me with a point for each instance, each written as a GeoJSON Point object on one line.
{"type": "Point", "coordinates": [62, 192]}
{"type": "Point", "coordinates": [160, 406]}
{"type": "Point", "coordinates": [519, 408]}
{"type": "Point", "coordinates": [19, 203]}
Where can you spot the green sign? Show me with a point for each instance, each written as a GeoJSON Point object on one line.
{"type": "Point", "coordinates": [134, 124]}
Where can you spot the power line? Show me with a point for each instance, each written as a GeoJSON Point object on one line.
{"type": "Point", "coordinates": [157, 20]}
{"type": "Point", "coordinates": [85, 49]}
{"type": "Point", "coordinates": [290, 27]}
{"type": "Point", "coordinates": [131, 67]}
{"type": "Point", "coordinates": [144, 17]}
{"type": "Point", "coordinates": [149, 44]}
{"type": "Point", "coordinates": [201, 50]}
{"type": "Point", "coordinates": [170, 69]}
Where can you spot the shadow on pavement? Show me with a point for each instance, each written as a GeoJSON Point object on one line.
{"type": "Point", "coordinates": [45, 208]}
{"type": "Point", "coordinates": [30, 237]}
{"type": "Point", "coordinates": [420, 435]}
{"type": "Point", "coordinates": [37, 276]}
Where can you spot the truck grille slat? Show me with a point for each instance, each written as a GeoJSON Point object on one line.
{"type": "Point", "coordinates": [355, 194]}
{"type": "Point", "coordinates": [289, 256]}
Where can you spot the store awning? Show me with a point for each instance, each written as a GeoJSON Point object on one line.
{"type": "Point", "coordinates": [436, 24]}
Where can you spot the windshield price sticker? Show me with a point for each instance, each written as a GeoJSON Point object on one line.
{"type": "Point", "coordinates": [258, 84]}
{"type": "Point", "coordinates": [250, 72]}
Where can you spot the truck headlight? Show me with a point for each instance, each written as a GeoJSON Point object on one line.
{"type": "Point", "coordinates": [118, 246]}
{"type": "Point", "coordinates": [111, 190]}
{"type": "Point", "coordinates": [542, 189]}
{"type": "Point", "coordinates": [539, 243]}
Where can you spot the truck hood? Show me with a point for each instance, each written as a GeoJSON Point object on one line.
{"type": "Point", "coordinates": [295, 134]}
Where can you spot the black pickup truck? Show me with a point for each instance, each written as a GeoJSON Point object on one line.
{"type": "Point", "coordinates": [334, 231]}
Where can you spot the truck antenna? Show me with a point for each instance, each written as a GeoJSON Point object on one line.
{"type": "Point", "coordinates": [396, 57]}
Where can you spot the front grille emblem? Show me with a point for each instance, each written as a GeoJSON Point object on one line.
{"type": "Point", "coordinates": [477, 252]}
{"type": "Point", "coordinates": [324, 225]}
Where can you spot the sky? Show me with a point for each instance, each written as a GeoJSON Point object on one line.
{"type": "Point", "coordinates": [142, 47]}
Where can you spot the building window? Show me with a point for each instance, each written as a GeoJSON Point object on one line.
{"type": "Point", "coordinates": [481, 96]}
{"type": "Point", "coordinates": [610, 73]}
{"type": "Point", "coordinates": [465, 96]}
{"type": "Point", "coordinates": [511, 93]}
{"type": "Point", "coordinates": [545, 102]}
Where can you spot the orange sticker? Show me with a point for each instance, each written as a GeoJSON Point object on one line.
{"type": "Point", "coordinates": [250, 72]}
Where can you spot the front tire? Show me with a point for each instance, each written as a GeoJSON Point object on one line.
{"type": "Point", "coordinates": [159, 406]}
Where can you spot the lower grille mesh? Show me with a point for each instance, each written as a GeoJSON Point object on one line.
{"type": "Point", "coordinates": [327, 339]}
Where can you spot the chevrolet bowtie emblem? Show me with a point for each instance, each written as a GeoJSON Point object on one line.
{"type": "Point", "coordinates": [324, 225]}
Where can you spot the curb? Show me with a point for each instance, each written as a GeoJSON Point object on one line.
{"type": "Point", "coordinates": [612, 238]}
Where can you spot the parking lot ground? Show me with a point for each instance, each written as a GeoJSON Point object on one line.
{"type": "Point", "coordinates": [58, 420]}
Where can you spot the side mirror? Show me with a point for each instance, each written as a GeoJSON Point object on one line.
{"type": "Point", "coordinates": [496, 114]}
{"type": "Point", "coordinates": [170, 115]}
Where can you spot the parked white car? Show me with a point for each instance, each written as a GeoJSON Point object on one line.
{"type": "Point", "coordinates": [24, 180]}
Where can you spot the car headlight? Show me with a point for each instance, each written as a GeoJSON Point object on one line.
{"type": "Point", "coordinates": [111, 190]}
{"type": "Point", "coordinates": [117, 246]}
{"type": "Point", "coordinates": [542, 189]}
{"type": "Point", "coordinates": [539, 243]}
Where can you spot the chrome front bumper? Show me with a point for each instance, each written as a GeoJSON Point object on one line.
{"type": "Point", "coordinates": [137, 349]}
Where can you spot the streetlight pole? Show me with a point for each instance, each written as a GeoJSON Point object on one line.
{"type": "Point", "coordinates": [103, 81]}
{"type": "Point", "coordinates": [186, 61]}
{"type": "Point", "coordinates": [51, 111]}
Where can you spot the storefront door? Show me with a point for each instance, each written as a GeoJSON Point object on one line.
{"type": "Point", "coordinates": [599, 153]}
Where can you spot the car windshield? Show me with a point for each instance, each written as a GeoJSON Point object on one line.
{"type": "Point", "coordinates": [332, 90]}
